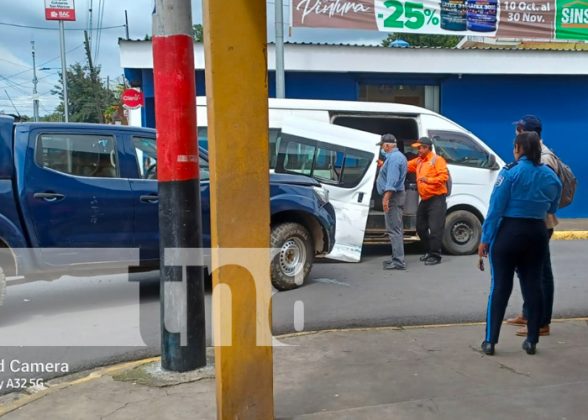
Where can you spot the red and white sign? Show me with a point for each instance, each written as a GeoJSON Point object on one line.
{"type": "Point", "coordinates": [132, 98]}
{"type": "Point", "coordinates": [60, 10]}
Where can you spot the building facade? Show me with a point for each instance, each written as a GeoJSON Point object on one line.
{"type": "Point", "coordinates": [484, 90]}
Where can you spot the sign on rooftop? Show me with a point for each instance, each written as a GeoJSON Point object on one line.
{"type": "Point", "coordinates": [528, 19]}
{"type": "Point", "coordinates": [60, 10]}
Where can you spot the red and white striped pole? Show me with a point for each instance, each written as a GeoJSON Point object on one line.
{"type": "Point", "coordinates": [183, 335]}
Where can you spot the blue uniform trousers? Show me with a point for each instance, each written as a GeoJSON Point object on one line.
{"type": "Point", "coordinates": [520, 244]}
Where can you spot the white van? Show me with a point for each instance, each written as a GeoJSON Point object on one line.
{"type": "Point", "coordinates": [300, 142]}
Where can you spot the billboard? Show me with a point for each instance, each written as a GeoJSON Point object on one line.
{"type": "Point", "coordinates": [528, 19]}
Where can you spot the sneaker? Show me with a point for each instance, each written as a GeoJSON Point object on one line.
{"type": "Point", "coordinates": [424, 257]}
{"type": "Point", "coordinates": [543, 331]}
{"type": "Point", "coordinates": [394, 266]}
{"type": "Point", "coordinates": [432, 260]}
{"type": "Point", "coordinates": [517, 320]}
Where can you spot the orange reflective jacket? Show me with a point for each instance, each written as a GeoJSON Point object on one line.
{"type": "Point", "coordinates": [431, 174]}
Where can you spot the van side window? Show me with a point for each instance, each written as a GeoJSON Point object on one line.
{"type": "Point", "coordinates": [274, 143]}
{"type": "Point", "coordinates": [459, 149]}
{"type": "Point", "coordinates": [78, 154]}
{"type": "Point", "coordinates": [330, 164]}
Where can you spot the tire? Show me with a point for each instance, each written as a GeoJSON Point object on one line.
{"type": "Point", "coordinates": [292, 263]}
{"type": "Point", "coordinates": [462, 234]}
{"type": "Point", "coordinates": [2, 286]}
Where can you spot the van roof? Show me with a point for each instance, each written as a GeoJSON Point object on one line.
{"type": "Point", "coordinates": [330, 105]}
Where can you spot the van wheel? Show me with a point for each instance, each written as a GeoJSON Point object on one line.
{"type": "Point", "coordinates": [291, 265]}
{"type": "Point", "coordinates": [462, 234]}
{"type": "Point", "coordinates": [2, 286]}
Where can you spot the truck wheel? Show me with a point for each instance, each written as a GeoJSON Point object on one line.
{"type": "Point", "coordinates": [292, 263]}
{"type": "Point", "coordinates": [2, 286]}
{"type": "Point", "coordinates": [462, 234]}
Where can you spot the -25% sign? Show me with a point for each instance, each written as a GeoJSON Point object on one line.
{"type": "Point", "coordinates": [409, 15]}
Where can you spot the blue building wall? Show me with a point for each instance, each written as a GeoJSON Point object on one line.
{"type": "Point", "coordinates": [487, 106]}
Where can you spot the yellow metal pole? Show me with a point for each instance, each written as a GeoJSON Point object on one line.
{"type": "Point", "coordinates": [236, 84]}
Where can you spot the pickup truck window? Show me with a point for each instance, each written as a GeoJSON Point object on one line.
{"type": "Point", "coordinates": [146, 153]}
{"type": "Point", "coordinates": [77, 154]}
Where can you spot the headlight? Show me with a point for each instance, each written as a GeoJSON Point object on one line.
{"type": "Point", "coordinates": [322, 194]}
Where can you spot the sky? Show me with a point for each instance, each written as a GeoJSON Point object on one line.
{"type": "Point", "coordinates": [24, 22]}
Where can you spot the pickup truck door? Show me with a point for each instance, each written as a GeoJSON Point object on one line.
{"type": "Point", "coordinates": [72, 196]}
{"type": "Point", "coordinates": [143, 181]}
{"type": "Point", "coordinates": [344, 161]}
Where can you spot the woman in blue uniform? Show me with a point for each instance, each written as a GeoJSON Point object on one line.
{"type": "Point", "coordinates": [514, 236]}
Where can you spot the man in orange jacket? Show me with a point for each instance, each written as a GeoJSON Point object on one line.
{"type": "Point", "coordinates": [432, 175]}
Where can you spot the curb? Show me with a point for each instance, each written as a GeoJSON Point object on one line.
{"type": "Point", "coordinates": [568, 235]}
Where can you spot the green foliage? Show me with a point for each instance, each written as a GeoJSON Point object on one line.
{"type": "Point", "coordinates": [55, 117]}
{"type": "Point", "coordinates": [198, 32]}
{"type": "Point", "coordinates": [88, 97]}
{"type": "Point", "coordinates": [424, 40]}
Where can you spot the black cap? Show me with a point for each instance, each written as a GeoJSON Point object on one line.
{"type": "Point", "coordinates": [387, 138]}
{"type": "Point", "coordinates": [423, 141]}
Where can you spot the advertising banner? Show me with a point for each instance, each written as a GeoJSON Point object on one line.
{"type": "Point", "coordinates": [60, 10]}
{"type": "Point", "coordinates": [529, 19]}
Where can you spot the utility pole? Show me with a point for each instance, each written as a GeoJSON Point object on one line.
{"type": "Point", "coordinates": [63, 70]}
{"type": "Point", "coordinates": [279, 50]}
{"type": "Point", "coordinates": [239, 212]}
{"type": "Point", "coordinates": [88, 54]}
{"type": "Point", "coordinates": [35, 81]}
{"type": "Point", "coordinates": [183, 329]}
{"type": "Point", "coordinates": [127, 24]}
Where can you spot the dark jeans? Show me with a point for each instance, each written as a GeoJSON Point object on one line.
{"type": "Point", "coordinates": [430, 223]}
{"type": "Point", "coordinates": [547, 287]}
{"type": "Point", "coordinates": [519, 244]}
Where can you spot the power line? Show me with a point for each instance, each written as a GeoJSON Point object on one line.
{"type": "Point", "coordinates": [16, 64]}
{"type": "Point", "coordinates": [56, 29]}
{"type": "Point", "coordinates": [42, 64]}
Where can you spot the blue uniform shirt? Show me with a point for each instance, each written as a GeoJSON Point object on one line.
{"type": "Point", "coordinates": [522, 190]}
{"type": "Point", "coordinates": [393, 173]}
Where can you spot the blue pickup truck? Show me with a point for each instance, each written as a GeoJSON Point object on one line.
{"type": "Point", "coordinates": [73, 197]}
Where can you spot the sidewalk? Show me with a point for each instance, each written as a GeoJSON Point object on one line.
{"type": "Point", "coordinates": [430, 372]}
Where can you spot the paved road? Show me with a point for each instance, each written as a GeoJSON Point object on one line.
{"type": "Point", "coordinates": [98, 320]}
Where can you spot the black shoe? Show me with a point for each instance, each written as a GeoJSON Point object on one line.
{"type": "Point", "coordinates": [432, 260]}
{"type": "Point", "coordinates": [424, 257]}
{"type": "Point", "coordinates": [394, 266]}
{"type": "Point", "coordinates": [529, 347]}
{"type": "Point", "coordinates": [487, 348]}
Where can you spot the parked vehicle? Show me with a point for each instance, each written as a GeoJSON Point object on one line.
{"type": "Point", "coordinates": [77, 197]}
{"type": "Point", "coordinates": [473, 165]}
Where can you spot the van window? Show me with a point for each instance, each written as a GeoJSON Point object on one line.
{"type": "Point", "coordinates": [274, 143]}
{"type": "Point", "coordinates": [405, 129]}
{"type": "Point", "coordinates": [459, 149]}
{"type": "Point", "coordinates": [327, 163]}
{"type": "Point", "coordinates": [78, 154]}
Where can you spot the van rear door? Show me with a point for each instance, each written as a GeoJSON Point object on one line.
{"type": "Point", "coordinates": [344, 161]}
